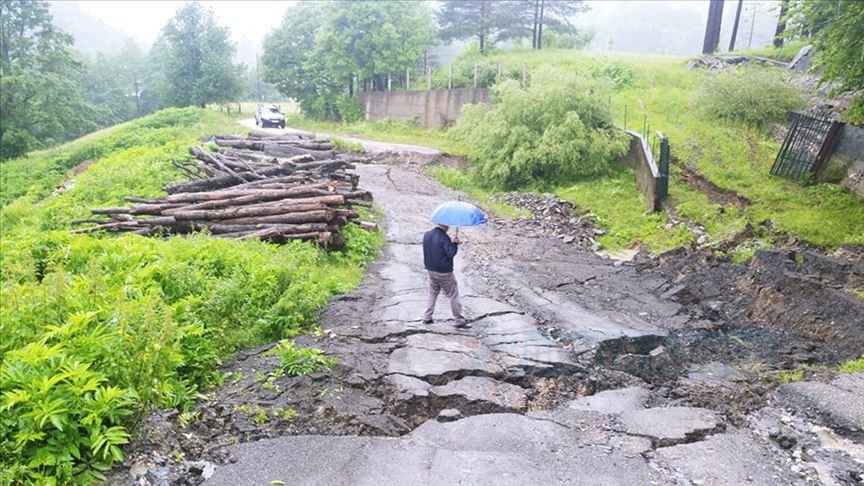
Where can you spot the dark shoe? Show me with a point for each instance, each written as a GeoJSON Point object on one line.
{"type": "Point", "coordinates": [463, 325]}
{"type": "Point", "coordinates": [429, 321]}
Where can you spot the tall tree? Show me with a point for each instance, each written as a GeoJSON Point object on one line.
{"type": "Point", "coordinates": [556, 14]}
{"type": "Point", "coordinates": [781, 23]}
{"type": "Point", "coordinates": [463, 19]}
{"type": "Point", "coordinates": [734, 35]}
{"type": "Point", "coordinates": [198, 68]}
{"type": "Point", "coordinates": [288, 62]}
{"type": "Point", "coordinates": [320, 49]}
{"type": "Point", "coordinates": [40, 103]}
{"type": "Point", "coordinates": [368, 39]}
{"type": "Point", "coordinates": [712, 28]}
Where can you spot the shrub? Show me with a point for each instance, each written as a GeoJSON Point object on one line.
{"type": "Point", "coordinates": [556, 131]}
{"type": "Point", "coordinates": [755, 96]}
{"type": "Point", "coordinates": [349, 109]}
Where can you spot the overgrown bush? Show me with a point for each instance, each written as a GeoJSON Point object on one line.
{"type": "Point", "coordinates": [756, 96]}
{"type": "Point", "coordinates": [97, 327]}
{"type": "Point", "coordinates": [554, 132]}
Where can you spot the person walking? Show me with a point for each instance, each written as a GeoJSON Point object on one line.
{"type": "Point", "coordinates": [438, 252]}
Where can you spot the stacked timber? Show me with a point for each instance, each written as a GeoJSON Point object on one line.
{"type": "Point", "coordinates": [242, 192]}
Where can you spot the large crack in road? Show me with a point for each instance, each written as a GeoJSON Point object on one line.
{"type": "Point", "coordinates": [544, 388]}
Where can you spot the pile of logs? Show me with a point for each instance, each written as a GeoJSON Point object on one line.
{"type": "Point", "coordinates": [249, 190]}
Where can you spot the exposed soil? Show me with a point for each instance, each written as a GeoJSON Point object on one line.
{"type": "Point", "coordinates": [552, 322]}
{"type": "Point", "coordinates": [551, 217]}
{"type": "Point", "coordinates": [716, 194]}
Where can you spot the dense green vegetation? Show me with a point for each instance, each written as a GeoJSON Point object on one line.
{"type": "Point", "coordinates": [97, 328]}
{"type": "Point", "coordinates": [194, 54]}
{"type": "Point", "coordinates": [556, 131]}
{"type": "Point", "coordinates": [322, 49]}
{"type": "Point", "coordinates": [838, 35]}
{"type": "Point", "coordinates": [49, 93]}
{"type": "Point", "coordinates": [754, 96]}
{"type": "Point", "coordinates": [729, 152]}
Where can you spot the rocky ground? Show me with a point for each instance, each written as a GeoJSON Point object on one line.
{"type": "Point", "coordinates": [578, 369]}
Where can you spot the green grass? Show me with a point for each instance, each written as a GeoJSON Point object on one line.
{"type": "Point", "coordinates": [732, 155]}
{"type": "Point", "coordinates": [459, 180]}
{"type": "Point", "coordinates": [784, 53]}
{"type": "Point", "coordinates": [342, 144]}
{"type": "Point", "coordinates": [98, 327]}
{"type": "Point", "coordinates": [620, 209]}
{"type": "Point", "coordinates": [853, 366]}
{"type": "Point", "coordinates": [736, 157]}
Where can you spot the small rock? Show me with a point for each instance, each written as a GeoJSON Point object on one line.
{"type": "Point", "coordinates": [702, 239]}
{"type": "Point", "coordinates": [568, 239]}
{"type": "Point", "coordinates": [596, 246]}
{"type": "Point", "coordinates": [449, 415]}
{"type": "Point", "coordinates": [785, 441]}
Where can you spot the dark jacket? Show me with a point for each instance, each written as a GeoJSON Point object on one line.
{"type": "Point", "coordinates": [438, 251]}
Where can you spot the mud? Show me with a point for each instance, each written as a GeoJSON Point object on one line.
{"type": "Point", "coordinates": [553, 324]}
{"type": "Point", "coordinates": [716, 194]}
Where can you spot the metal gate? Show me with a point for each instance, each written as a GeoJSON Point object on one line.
{"type": "Point", "coordinates": [806, 147]}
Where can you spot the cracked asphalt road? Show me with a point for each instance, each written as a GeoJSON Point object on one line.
{"type": "Point", "coordinates": [484, 385]}
{"type": "Point", "coordinates": [577, 370]}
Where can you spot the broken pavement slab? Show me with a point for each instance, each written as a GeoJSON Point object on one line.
{"type": "Point", "coordinates": [724, 460]}
{"type": "Point", "coordinates": [490, 394]}
{"type": "Point", "coordinates": [839, 404]}
{"type": "Point", "coordinates": [501, 449]}
{"type": "Point", "coordinates": [504, 396]}
{"type": "Point", "coordinates": [670, 425]}
{"type": "Point", "coordinates": [438, 367]}
{"type": "Point", "coordinates": [613, 402]}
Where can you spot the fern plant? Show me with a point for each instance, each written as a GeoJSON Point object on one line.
{"type": "Point", "coordinates": [298, 361]}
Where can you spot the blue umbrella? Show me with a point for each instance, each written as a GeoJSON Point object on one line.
{"type": "Point", "coordinates": [458, 213]}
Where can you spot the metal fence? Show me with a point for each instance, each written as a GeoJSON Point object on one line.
{"type": "Point", "coordinates": [806, 146]}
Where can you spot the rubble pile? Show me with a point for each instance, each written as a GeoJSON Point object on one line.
{"type": "Point", "coordinates": [552, 216]}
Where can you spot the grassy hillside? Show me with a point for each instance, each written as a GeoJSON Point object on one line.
{"type": "Point", "coordinates": [732, 155]}
{"type": "Point", "coordinates": [97, 328]}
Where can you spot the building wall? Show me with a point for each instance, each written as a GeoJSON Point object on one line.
{"type": "Point", "coordinates": [430, 109]}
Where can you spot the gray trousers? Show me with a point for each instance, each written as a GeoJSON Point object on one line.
{"type": "Point", "coordinates": [447, 283]}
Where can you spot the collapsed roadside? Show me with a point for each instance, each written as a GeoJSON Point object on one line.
{"type": "Point", "coordinates": [559, 334]}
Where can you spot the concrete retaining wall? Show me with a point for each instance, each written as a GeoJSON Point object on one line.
{"type": "Point", "coordinates": [846, 163]}
{"type": "Point", "coordinates": [639, 159]}
{"type": "Point", "coordinates": [430, 109]}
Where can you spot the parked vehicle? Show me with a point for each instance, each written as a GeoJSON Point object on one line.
{"type": "Point", "coordinates": [269, 116]}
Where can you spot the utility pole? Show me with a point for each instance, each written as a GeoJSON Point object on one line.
{"type": "Point", "coordinates": [735, 26]}
{"type": "Point", "coordinates": [712, 29]}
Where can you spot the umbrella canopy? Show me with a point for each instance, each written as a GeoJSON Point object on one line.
{"type": "Point", "coordinates": [458, 213]}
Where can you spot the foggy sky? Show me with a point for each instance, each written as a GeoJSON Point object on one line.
{"type": "Point", "coordinates": [642, 26]}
